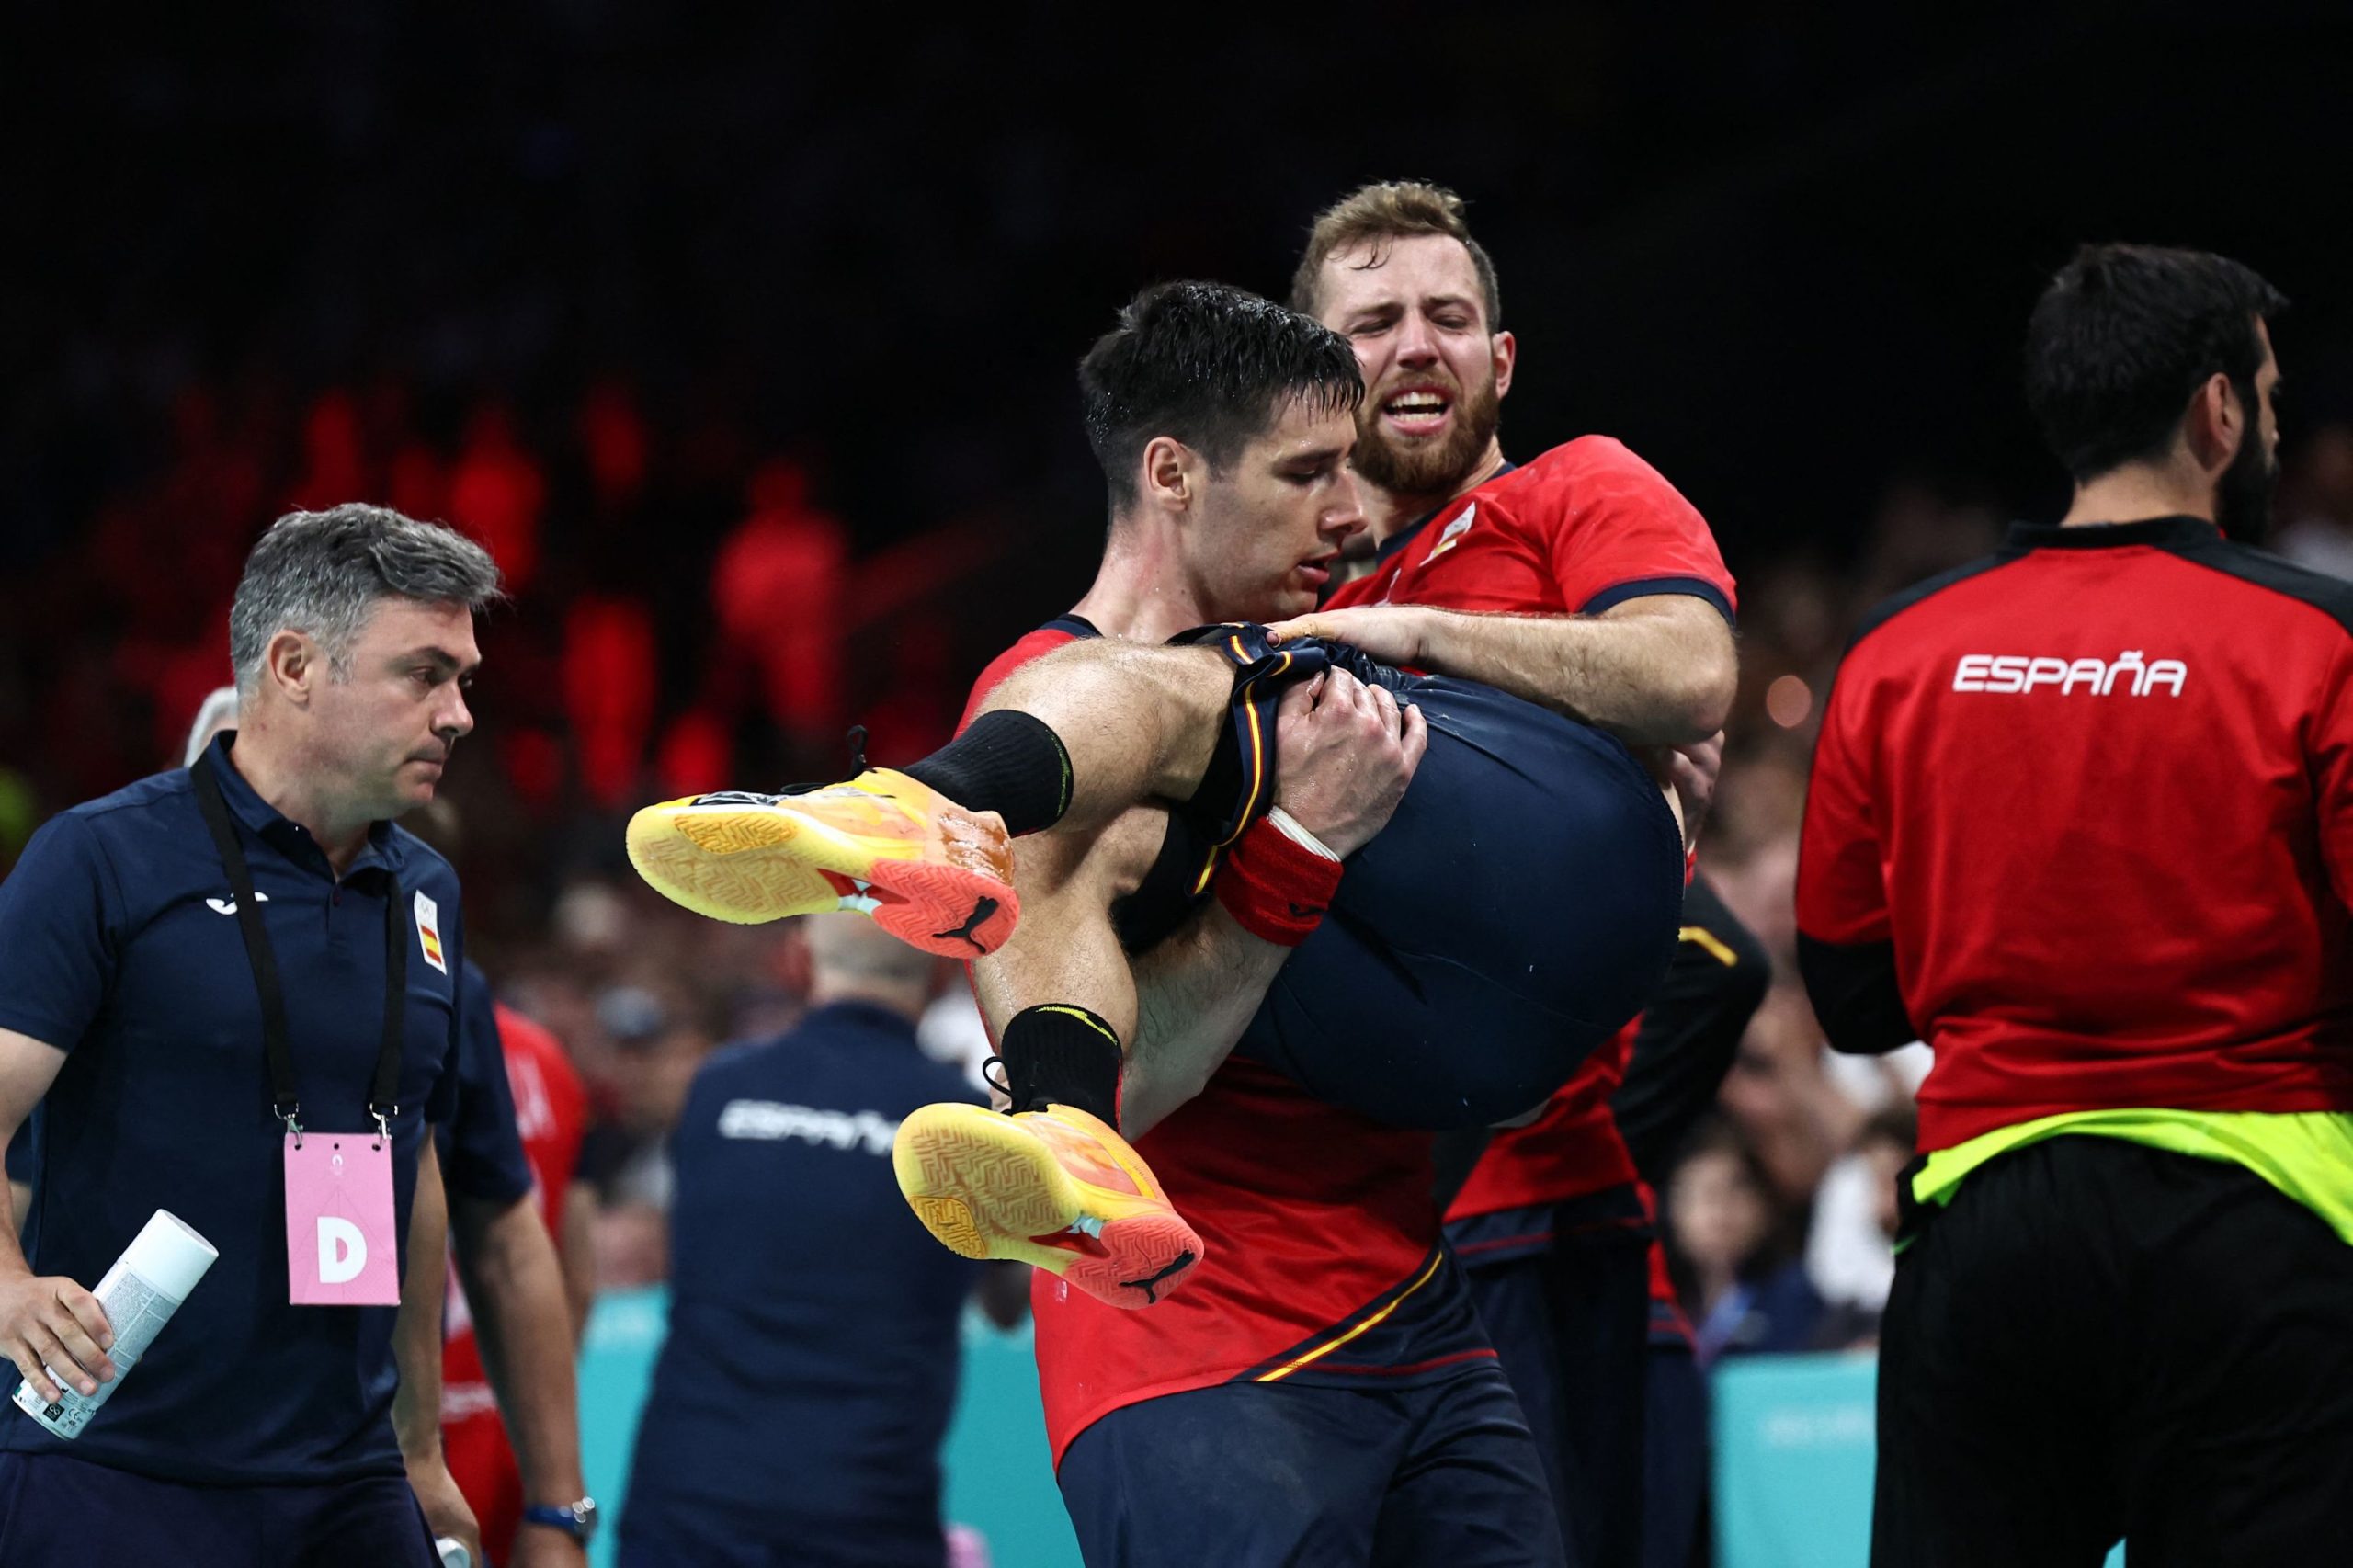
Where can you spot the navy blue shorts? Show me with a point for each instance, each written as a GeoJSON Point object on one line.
{"type": "Point", "coordinates": [1674, 1459]}
{"type": "Point", "coordinates": [1316, 1477]}
{"type": "Point", "coordinates": [58, 1509]}
{"type": "Point", "coordinates": [1571, 1321]}
{"type": "Point", "coordinates": [1520, 906]}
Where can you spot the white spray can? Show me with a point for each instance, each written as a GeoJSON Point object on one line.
{"type": "Point", "coordinates": [139, 1294]}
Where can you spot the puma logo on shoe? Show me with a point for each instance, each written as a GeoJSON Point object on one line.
{"type": "Point", "coordinates": [1151, 1287]}
{"type": "Point", "coordinates": [981, 913]}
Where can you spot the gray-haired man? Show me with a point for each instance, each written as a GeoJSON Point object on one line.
{"type": "Point", "coordinates": [234, 991]}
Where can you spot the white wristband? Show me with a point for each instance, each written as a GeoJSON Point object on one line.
{"type": "Point", "coordinates": [1290, 829]}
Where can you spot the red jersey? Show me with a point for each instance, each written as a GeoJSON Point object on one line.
{"type": "Point", "coordinates": [1323, 1261]}
{"type": "Point", "coordinates": [2088, 804]}
{"type": "Point", "coordinates": [1586, 526]}
{"type": "Point", "coordinates": [1579, 531]}
{"type": "Point", "coordinates": [552, 1114]}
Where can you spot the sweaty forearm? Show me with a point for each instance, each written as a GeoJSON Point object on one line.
{"type": "Point", "coordinates": [1649, 676]}
{"type": "Point", "coordinates": [1196, 992]}
{"type": "Point", "coordinates": [516, 1287]}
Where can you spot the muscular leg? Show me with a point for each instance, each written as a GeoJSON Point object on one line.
{"type": "Point", "coordinates": [1134, 721]}
{"type": "Point", "coordinates": [1071, 740]}
{"type": "Point", "coordinates": [1066, 949]}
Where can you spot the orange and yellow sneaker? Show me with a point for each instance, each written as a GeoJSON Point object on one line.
{"type": "Point", "coordinates": [1054, 1187]}
{"type": "Point", "coordinates": [931, 874]}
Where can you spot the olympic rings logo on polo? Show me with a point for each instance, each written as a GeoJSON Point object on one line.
{"type": "Point", "coordinates": [2130, 675]}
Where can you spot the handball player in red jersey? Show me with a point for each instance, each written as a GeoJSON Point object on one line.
{"type": "Point", "coordinates": [1602, 594]}
{"type": "Point", "coordinates": [1324, 1381]}
{"type": "Point", "coordinates": [2124, 1284]}
{"type": "Point", "coordinates": [1333, 1393]}
{"type": "Point", "coordinates": [1433, 934]}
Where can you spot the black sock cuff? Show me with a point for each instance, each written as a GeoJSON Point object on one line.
{"type": "Point", "coordinates": [1062, 1055]}
{"type": "Point", "coordinates": [1007, 762]}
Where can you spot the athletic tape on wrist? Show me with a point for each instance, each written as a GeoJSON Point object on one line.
{"type": "Point", "coordinates": [1278, 880]}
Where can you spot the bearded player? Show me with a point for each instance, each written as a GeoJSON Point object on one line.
{"type": "Point", "coordinates": [1632, 631]}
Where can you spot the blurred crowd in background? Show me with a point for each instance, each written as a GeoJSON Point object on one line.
{"type": "Point", "coordinates": [755, 379]}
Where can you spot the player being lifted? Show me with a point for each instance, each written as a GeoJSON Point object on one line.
{"type": "Point", "coordinates": [1519, 906]}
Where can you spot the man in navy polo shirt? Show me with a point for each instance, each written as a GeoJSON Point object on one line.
{"type": "Point", "coordinates": [799, 1405]}
{"type": "Point", "coordinates": [516, 1307]}
{"type": "Point", "coordinates": [167, 1024]}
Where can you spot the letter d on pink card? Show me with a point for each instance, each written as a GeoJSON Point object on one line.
{"type": "Point", "coordinates": [341, 1246]}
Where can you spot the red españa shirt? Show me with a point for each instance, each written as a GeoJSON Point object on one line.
{"type": "Point", "coordinates": [2095, 792]}
{"type": "Point", "coordinates": [1586, 526]}
{"type": "Point", "coordinates": [1323, 1262]}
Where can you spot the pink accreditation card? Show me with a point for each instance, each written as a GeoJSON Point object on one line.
{"type": "Point", "coordinates": [342, 1246]}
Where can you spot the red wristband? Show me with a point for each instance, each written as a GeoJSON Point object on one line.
{"type": "Point", "coordinates": [1275, 887]}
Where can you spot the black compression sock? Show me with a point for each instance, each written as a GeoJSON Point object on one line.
{"type": "Point", "coordinates": [1007, 762]}
{"type": "Point", "coordinates": [1062, 1055]}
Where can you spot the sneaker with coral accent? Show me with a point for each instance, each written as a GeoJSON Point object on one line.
{"type": "Point", "coordinates": [1054, 1187]}
{"type": "Point", "coordinates": [926, 870]}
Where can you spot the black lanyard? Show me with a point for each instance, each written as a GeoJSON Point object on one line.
{"type": "Point", "coordinates": [284, 1104]}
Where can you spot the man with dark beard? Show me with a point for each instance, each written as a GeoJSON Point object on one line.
{"type": "Point", "coordinates": [1603, 596]}
{"type": "Point", "coordinates": [2081, 817]}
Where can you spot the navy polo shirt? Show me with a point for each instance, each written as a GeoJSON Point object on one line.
{"type": "Point", "coordinates": [481, 1144]}
{"type": "Point", "coordinates": [812, 1361]}
{"type": "Point", "coordinates": [122, 949]}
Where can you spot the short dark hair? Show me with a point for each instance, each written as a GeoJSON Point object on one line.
{"type": "Point", "coordinates": [2125, 334]}
{"type": "Point", "coordinates": [1211, 366]}
{"type": "Point", "coordinates": [1391, 211]}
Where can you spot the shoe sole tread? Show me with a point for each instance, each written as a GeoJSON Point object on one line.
{"type": "Point", "coordinates": [987, 1188]}
{"type": "Point", "coordinates": [748, 865]}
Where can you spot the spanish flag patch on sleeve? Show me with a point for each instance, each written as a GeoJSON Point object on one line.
{"type": "Point", "coordinates": [428, 932]}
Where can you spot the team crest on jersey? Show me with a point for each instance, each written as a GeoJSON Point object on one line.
{"type": "Point", "coordinates": [1453, 534]}
{"type": "Point", "coordinates": [428, 932]}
